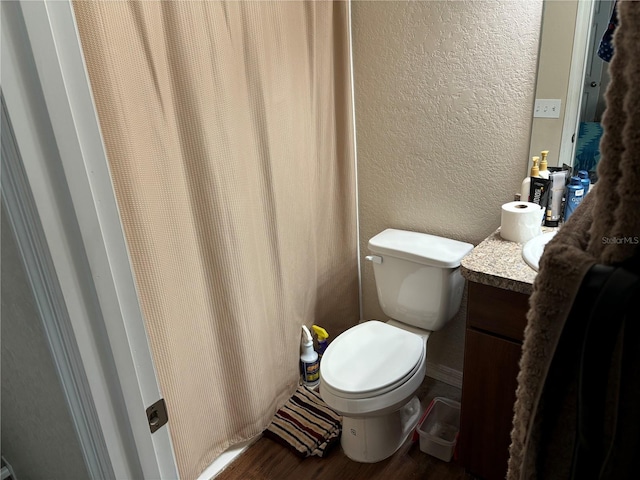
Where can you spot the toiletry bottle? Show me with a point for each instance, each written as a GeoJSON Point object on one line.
{"type": "Point", "coordinates": [544, 173]}
{"type": "Point", "coordinates": [584, 178]}
{"type": "Point", "coordinates": [554, 203]}
{"type": "Point", "coordinates": [309, 360]}
{"type": "Point", "coordinates": [575, 194]}
{"type": "Point", "coordinates": [540, 191]}
{"type": "Point", "coordinates": [322, 335]}
{"type": "Point", "coordinates": [526, 183]}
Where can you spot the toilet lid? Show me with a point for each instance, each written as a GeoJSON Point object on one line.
{"type": "Point", "coordinates": [370, 357]}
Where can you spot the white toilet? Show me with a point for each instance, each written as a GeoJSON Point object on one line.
{"type": "Point", "coordinates": [369, 373]}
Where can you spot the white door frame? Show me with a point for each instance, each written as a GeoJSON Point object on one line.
{"type": "Point", "coordinates": [594, 65]}
{"type": "Point", "coordinates": [571, 124]}
{"type": "Point", "coordinates": [24, 220]}
{"type": "Point", "coordinates": [113, 348]}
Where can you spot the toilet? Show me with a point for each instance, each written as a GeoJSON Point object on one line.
{"type": "Point", "coordinates": [370, 373]}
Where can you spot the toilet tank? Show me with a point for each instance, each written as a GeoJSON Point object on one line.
{"type": "Point", "coordinates": [418, 276]}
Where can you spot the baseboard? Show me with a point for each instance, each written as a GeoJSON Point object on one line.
{"type": "Point", "coordinates": [447, 375]}
{"type": "Point", "coordinates": [226, 458]}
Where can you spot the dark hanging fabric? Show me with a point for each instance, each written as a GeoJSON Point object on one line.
{"type": "Point", "coordinates": [606, 50]}
{"type": "Point", "coordinates": [606, 314]}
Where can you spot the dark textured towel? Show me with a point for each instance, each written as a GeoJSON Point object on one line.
{"type": "Point", "coordinates": [306, 424]}
{"type": "Point", "coordinates": [603, 230]}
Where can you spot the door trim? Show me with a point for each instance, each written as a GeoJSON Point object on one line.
{"type": "Point", "coordinates": [579, 54]}
{"type": "Point", "coordinates": [110, 331]}
{"type": "Point", "coordinates": [23, 218]}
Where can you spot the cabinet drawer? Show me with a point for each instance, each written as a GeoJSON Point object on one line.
{"type": "Point", "coordinates": [498, 311]}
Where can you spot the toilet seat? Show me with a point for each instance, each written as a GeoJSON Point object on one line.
{"type": "Point", "coordinates": [373, 393]}
{"type": "Point", "coordinates": [370, 367]}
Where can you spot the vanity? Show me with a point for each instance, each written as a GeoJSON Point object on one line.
{"type": "Point", "coordinates": [499, 283]}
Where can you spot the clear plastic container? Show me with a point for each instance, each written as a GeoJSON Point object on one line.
{"type": "Point", "coordinates": [438, 429]}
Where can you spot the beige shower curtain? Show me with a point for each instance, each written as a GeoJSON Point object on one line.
{"type": "Point", "coordinates": [228, 128]}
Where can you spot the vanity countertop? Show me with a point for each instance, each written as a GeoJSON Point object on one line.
{"type": "Point", "coordinates": [498, 263]}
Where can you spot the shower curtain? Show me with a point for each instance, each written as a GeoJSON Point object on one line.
{"type": "Point", "coordinates": [228, 129]}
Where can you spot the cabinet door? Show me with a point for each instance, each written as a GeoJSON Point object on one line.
{"type": "Point", "coordinates": [488, 394]}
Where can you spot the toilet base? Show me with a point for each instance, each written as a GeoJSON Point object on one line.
{"type": "Point", "coordinates": [372, 439]}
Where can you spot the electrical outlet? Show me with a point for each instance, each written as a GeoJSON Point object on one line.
{"type": "Point", "coordinates": [547, 108]}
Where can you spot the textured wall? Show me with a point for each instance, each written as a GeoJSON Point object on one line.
{"type": "Point", "coordinates": [38, 437]}
{"type": "Point", "coordinates": [444, 96]}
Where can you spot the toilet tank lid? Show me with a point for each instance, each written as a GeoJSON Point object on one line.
{"type": "Point", "coordinates": [420, 247]}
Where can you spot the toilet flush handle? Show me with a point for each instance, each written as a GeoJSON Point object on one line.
{"type": "Point", "coordinates": [374, 259]}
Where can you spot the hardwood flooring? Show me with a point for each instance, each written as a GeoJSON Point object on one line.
{"type": "Point", "coordinates": [268, 460]}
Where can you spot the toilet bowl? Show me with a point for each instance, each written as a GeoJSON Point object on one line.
{"type": "Point", "coordinates": [370, 373]}
{"type": "Point", "coordinates": [384, 367]}
{"type": "Point", "coordinates": [375, 394]}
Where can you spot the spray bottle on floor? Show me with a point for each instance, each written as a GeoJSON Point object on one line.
{"type": "Point", "coordinates": [323, 336]}
{"type": "Point", "coordinates": [309, 364]}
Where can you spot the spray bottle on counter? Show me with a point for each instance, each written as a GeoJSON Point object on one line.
{"type": "Point", "coordinates": [309, 364]}
{"type": "Point", "coordinates": [322, 335]}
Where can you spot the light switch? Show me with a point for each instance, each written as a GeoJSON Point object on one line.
{"type": "Point", "coordinates": [547, 108]}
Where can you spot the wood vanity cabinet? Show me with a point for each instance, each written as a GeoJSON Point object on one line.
{"type": "Point", "coordinates": [496, 319]}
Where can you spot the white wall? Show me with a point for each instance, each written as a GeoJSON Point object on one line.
{"type": "Point", "coordinates": [444, 95]}
{"type": "Point", "coordinates": [38, 437]}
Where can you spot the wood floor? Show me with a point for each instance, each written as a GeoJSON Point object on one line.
{"type": "Point", "coordinates": [268, 460]}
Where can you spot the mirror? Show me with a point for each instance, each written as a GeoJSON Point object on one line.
{"type": "Point", "coordinates": [570, 70]}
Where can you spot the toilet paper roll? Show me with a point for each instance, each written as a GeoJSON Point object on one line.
{"type": "Point", "coordinates": [521, 221]}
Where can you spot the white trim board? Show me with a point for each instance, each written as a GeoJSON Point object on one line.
{"type": "Point", "coordinates": [579, 54]}
{"type": "Point", "coordinates": [59, 138]}
{"type": "Point", "coordinates": [226, 458]}
{"type": "Point", "coordinates": [38, 150]}
{"type": "Point", "coordinates": [355, 159]}
{"type": "Point", "coordinates": [23, 218]}
{"type": "Point", "coordinates": [444, 374]}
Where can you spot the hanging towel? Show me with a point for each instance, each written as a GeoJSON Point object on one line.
{"type": "Point", "coordinates": [306, 424]}
{"type": "Point", "coordinates": [603, 231]}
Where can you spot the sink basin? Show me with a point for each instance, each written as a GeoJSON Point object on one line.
{"type": "Point", "coordinates": [532, 250]}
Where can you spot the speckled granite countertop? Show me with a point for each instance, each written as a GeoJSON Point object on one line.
{"type": "Point", "coordinates": [498, 263]}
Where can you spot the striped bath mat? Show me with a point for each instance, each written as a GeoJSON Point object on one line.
{"type": "Point", "coordinates": [306, 424]}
